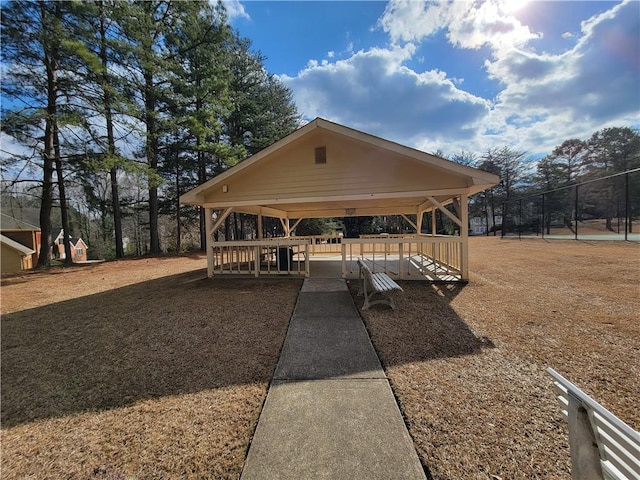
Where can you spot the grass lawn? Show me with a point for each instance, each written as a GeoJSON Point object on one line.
{"type": "Point", "coordinates": [143, 369]}
{"type": "Point", "coordinates": [467, 364]}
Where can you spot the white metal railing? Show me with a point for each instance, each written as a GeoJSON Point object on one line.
{"type": "Point", "coordinates": [404, 257]}
{"type": "Point", "coordinates": [261, 257]}
{"type": "Point", "coordinates": [601, 445]}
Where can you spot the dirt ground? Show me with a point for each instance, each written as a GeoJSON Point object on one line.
{"type": "Point", "coordinates": [144, 369]}
{"type": "Point", "coordinates": [467, 364]}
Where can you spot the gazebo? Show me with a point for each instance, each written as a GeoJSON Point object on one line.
{"type": "Point", "coordinates": [325, 170]}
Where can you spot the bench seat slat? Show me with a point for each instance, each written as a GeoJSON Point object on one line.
{"type": "Point", "coordinates": [384, 283]}
{"type": "Point", "coordinates": [376, 284]}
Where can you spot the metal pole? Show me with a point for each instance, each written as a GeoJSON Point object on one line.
{"type": "Point", "coordinates": [544, 220]}
{"type": "Point", "coordinates": [576, 214]}
{"type": "Point", "coordinates": [520, 220]}
{"type": "Point", "coordinates": [627, 213]}
{"type": "Point", "coordinates": [504, 219]}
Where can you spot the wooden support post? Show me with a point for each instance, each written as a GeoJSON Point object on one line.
{"type": "Point", "coordinates": [307, 271]}
{"type": "Point", "coordinates": [257, 261]}
{"type": "Point", "coordinates": [296, 224]}
{"type": "Point", "coordinates": [419, 222]}
{"type": "Point", "coordinates": [208, 218]}
{"type": "Point", "coordinates": [455, 219]}
{"type": "Point", "coordinates": [211, 226]}
{"type": "Point", "coordinates": [408, 220]}
{"type": "Point", "coordinates": [285, 226]}
{"type": "Point", "coordinates": [464, 237]}
{"type": "Point", "coordinates": [260, 232]}
{"type": "Point", "coordinates": [218, 222]}
{"type": "Point", "coordinates": [433, 221]}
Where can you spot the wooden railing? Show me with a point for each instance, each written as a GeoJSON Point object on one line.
{"type": "Point", "coordinates": [261, 257]}
{"type": "Point", "coordinates": [399, 256]}
{"type": "Point", "coordinates": [405, 257]}
{"type": "Point", "coordinates": [322, 244]}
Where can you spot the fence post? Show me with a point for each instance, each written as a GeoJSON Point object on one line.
{"type": "Point", "coordinates": [544, 219]}
{"type": "Point", "coordinates": [504, 219]}
{"type": "Point", "coordinates": [576, 214]}
{"type": "Point", "coordinates": [627, 213]}
{"type": "Point", "coordinates": [520, 220]}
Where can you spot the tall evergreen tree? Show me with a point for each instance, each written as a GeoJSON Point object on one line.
{"type": "Point", "coordinates": [145, 25]}
{"type": "Point", "coordinates": [508, 163]}
{"type": "Point", "coordinates": [613, 150]}
{"type": "Point", "coordinates": [33, 35]}
{"type": "Point", "coordinates": [569, 159]}
{"type": "Point", "coordinates": [263, 110]}
{"type": "Point", "coordinates": [200, 99]}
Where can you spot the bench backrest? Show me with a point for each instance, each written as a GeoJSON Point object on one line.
{"type": "Point", "coordinates": [366, 272]}
{"type": "Point", "coordinates": [602, 445]}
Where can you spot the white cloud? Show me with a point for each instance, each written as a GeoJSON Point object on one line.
{"type": "Point", "coordinates": [331, 54]}
{"type": "Point", "coordinates": [467, 24]}
{"type": "Point", "coordinates": [235, 9]}
{"type": "Point", "coordinates": [543, 98]}
{"type": "Point", "coordinates": [594, 83]}
{"type": "Point", "coordinates": [373, 91]}
{"type": "Point", "coordinates": [10, 147]}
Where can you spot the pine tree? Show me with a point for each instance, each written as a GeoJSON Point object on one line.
{"type": "Point", "coordinates": [200, 86]}
{"type": "Point", "coordinates": [33, 35]}
{"type": "Point", "coordinates": [145, 26]}
{"type": "Point", "coordinates": [263, 109]}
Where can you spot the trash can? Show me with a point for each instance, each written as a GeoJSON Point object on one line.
{"type": "Point", "coordinates": [285, 258]}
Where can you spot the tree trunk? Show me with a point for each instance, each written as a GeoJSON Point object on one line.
{"type": "Point", "coordinates": [66, 228]}
{"type": "Point", "coordinates": [47, 197]}
{"type": "Point", "coordinates": [493, 213]}
{"type": "Point", "coordinates": [51, 67]}
{"type": "Point", "coordinates": [202, 177]}
{"type": "Point", "coordinates": [152, 161]}
{"type": "Point", "coordinates": [235, 227]}
{"type": "Point", "coordinates": [177, 202]}
{"type": "Point", "coordinates": [111, 144]}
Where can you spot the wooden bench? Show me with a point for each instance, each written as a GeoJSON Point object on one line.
{"type": "Point", "coordinates": [376, 285]}
{"type": "Point", "coordinates": [602, 446]}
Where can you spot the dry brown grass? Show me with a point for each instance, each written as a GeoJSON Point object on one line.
{"type": "Point", "coordinates": [138, 368]}
{"type": "Point", "coordinates": [143, 369]}
{"type": "Point", "coordinates": [467, 364]}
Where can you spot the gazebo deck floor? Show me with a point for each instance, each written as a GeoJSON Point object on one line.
{"type": "Point", "coordinates": [330, 266]}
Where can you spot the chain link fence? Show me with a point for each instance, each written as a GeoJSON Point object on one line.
{"type": "Point", "coordinates": [606, 208]}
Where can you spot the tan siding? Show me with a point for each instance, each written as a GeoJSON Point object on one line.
{"type": "Point", "coordinates": [10, 259]}
{"type": "Point", "coordinates": [351, 168]}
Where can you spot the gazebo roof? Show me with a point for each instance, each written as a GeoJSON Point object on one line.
{"type": "Point", "coordinates": [324, 169]}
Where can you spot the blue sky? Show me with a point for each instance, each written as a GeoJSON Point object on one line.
{"type": "Point", "coordinates": [455, 75]}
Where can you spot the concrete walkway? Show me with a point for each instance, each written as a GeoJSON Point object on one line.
{"type": "Point", "coordinates": [330, 412]}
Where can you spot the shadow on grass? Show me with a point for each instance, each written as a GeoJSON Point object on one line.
{"type": "Point", "coordinates": [424, 327]}
{"type": "Point", "coordinates": [175, 335]}
{"type": "Point", "coordinates": [184, 334]}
